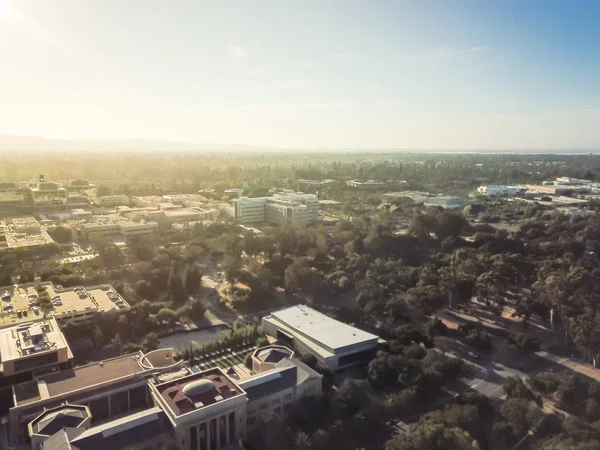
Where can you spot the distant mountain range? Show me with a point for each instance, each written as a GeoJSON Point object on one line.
{"type": "Point", "coordinates": [9, 143]}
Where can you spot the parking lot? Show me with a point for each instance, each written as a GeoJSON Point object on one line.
{"type": "Point", "coordinates": [74, 303]}
{"type": "Point", "coordinates": [71, 303]}
{"type": "Point", "coordinates": [101, 297]}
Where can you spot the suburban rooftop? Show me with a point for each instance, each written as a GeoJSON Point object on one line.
{"type": "Point", "coordinates": [321, 328]}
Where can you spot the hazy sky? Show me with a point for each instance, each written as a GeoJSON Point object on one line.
{"type": "Point", "coordinates": [302, 73]}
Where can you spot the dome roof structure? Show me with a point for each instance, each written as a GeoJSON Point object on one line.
{"type": "Point", "coordinates": [197, 387]}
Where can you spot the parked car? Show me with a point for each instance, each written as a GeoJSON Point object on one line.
{"type": "Point", "coordinates": [472, 355]}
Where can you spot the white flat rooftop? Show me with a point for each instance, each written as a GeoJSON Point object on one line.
{"type": "Point", "coordinates": [329, 332]}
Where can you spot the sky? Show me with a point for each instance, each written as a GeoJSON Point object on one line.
{"type": "Point", "coordinates": [420, 74]}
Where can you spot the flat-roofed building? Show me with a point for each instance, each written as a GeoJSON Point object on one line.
{"type": "Point", "coordinates": [140, 401]}
{"type": "Point", "coordinates": [111, 225]}
{"type": "Point", "coordinates": [23, 232]}
{"type": "Point", "coordinates": [45, 194]}
{"type": "Point", "coordinates": [446, 202]}
{"type": "Point", "coordinates": [11, 194]}
{"type": "Point", "coordinates": [498, 190]}
{"type": "Point", "coordinates": [336, 345]}
{"type": "Point", "coordinates": [207, 409]}
{"type": "Point", "coordinates": [112, 200]}
{"type": "Point", "coordinates": [76, 418]}
{"type": "Point", "coordinates": [110, 389]}
{"type": "Point", "coordinates": [300, 209]}
{"type": "Point", "coordinates": [31, 346]}
{"type": "Point", "coordinates": [129, 229]}
{"type": "Point", "coordinates": [368, 184]}
{"type": "Point", "coordinates": [277, 390]}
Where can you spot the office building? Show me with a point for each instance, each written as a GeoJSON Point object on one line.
{"type": "Point", "coordinates": [297, 209]}
{"type": "Point", "coordinates": [11, 195]}
{"type": "Point", "coordinates": [42, 195]}
{"type": "Point", "coordinates": [23, 232]}
{"type": "Point", "coordinates": [111, 225]}
{"type": "Point", "coordinates": [150, 401]}
{"type": "Point", "coordinates": [336, 345]}
{"type": "Point", "coordinates": [369, 184]}
{"type": "Point", "coordinates": [446, 202]}
{"type": "Point", "coordinates": [498, 190]}
{"type": "Point", "coordinates": [32, 346]}
{"type": "Point", "coordinates": [277, 390]}
{"type": "Point", "coordinates": [112, 200]}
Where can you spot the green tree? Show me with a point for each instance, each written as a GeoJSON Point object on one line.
{"type": "Point", "coordinates": [176, 289]}
{"type": "Point", "coordinates": [166, 315]}
{"type": "Point", "coordinates": [514, 387]}
{"type": "Point", "coordinates": [193, 280]}
{"type": "Point", "coordinates": [61, 235]}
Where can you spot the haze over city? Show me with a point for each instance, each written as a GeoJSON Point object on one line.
{"type": "Point", "coordinates": [312, 74]}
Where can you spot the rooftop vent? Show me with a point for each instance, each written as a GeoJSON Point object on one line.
{"type": "Point", "coordinates": [218, 398]}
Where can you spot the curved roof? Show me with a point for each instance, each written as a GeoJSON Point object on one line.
{"type": "Point", "coordinates": [197, 387]}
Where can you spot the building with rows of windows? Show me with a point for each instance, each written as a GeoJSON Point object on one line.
{"type": "Point", "coordinates": [152, 402]}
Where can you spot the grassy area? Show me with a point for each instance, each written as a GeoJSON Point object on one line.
{"type": "Point", "coordinates": [227, 361]}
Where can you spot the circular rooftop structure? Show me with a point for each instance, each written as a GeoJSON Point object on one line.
{"type": "Point", "coordinates": [197, 387]}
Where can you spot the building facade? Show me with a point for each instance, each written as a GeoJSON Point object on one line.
{"type": "Point", "coordinates": [498, 190]}
{"type": "Point", "coordinates": [297, 209]}
{"type": "Point", "coordinates": [334, 344]}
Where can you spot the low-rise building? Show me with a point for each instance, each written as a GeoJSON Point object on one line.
{"type": "Point", "coordinates": [446, 202]}
{"type": "Point", "coordinates": [324, 182]}
{"type": "Point", "coordinates": [74, 305]}
{"type": "Point", "coordinates": [570, 180]}
{"type": "Point", "coordinates": [23, 232]}
{"type": "Point", "coordinates": [112, 200]}
{"type": "Point", "coordinates": [32, 346]}
{"type": "Point", "coordinates": [111, 225]}
{"type": "Point", "coordinates": [139, 401]}
{"type": "Point", "coordinates": [336, 345]}
{"type": "Point", "coordinates": [368, 184]}
{"type": "Point", "coordinates": [498, 190]}
{"type": "Point", "coordinates": [277, 390]}
{"type": "Point", "coordinates": [298, 209]}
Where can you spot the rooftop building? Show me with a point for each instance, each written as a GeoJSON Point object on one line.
{"type": "Point", "coordinates": [265, 358]}
{"type": "Point", "coordinates": [112, 200]}
{"type": "Point", "coordinates": [76, 305]}
{"type": "Point", "coordinates": [23, 232]}
{"type": "Point", "coordinates": [365, 184]}
{"type": "Point", "coordinates": [335, 344]}
{"type": "Point", "coordinates": [446, 202]}
{"type": "Point", "coordinates": [413, 197]}
{"type": "Point", "coordinates": [498, 190]}
{"type": "Point", "coordinates": [32, 346]}
{"type": "Point", "coordinates": [136, 400]}
{"type": "Point", "coordinates": [111, 225]}
{"type": "Point", "coordinates": [569, 180]}
{"type": "Point", "coordinates": [316, 182]}
{"type": "Point", "coordinates": [300, 209]}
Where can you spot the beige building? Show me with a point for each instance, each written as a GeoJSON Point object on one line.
{"type": "Point", "coordinates": [334, 344]}
{"type": "Point", "coordinates": [32, 346]}
{"type": "Point", "coordinates": [207, 409]}
{"type": "Point", "coordinates": [298, 209]}
{"type": "Point", "coordinates": [277, 390]}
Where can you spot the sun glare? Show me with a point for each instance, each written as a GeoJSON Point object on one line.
{"type": "Point", "coordinates": [5, 8]}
